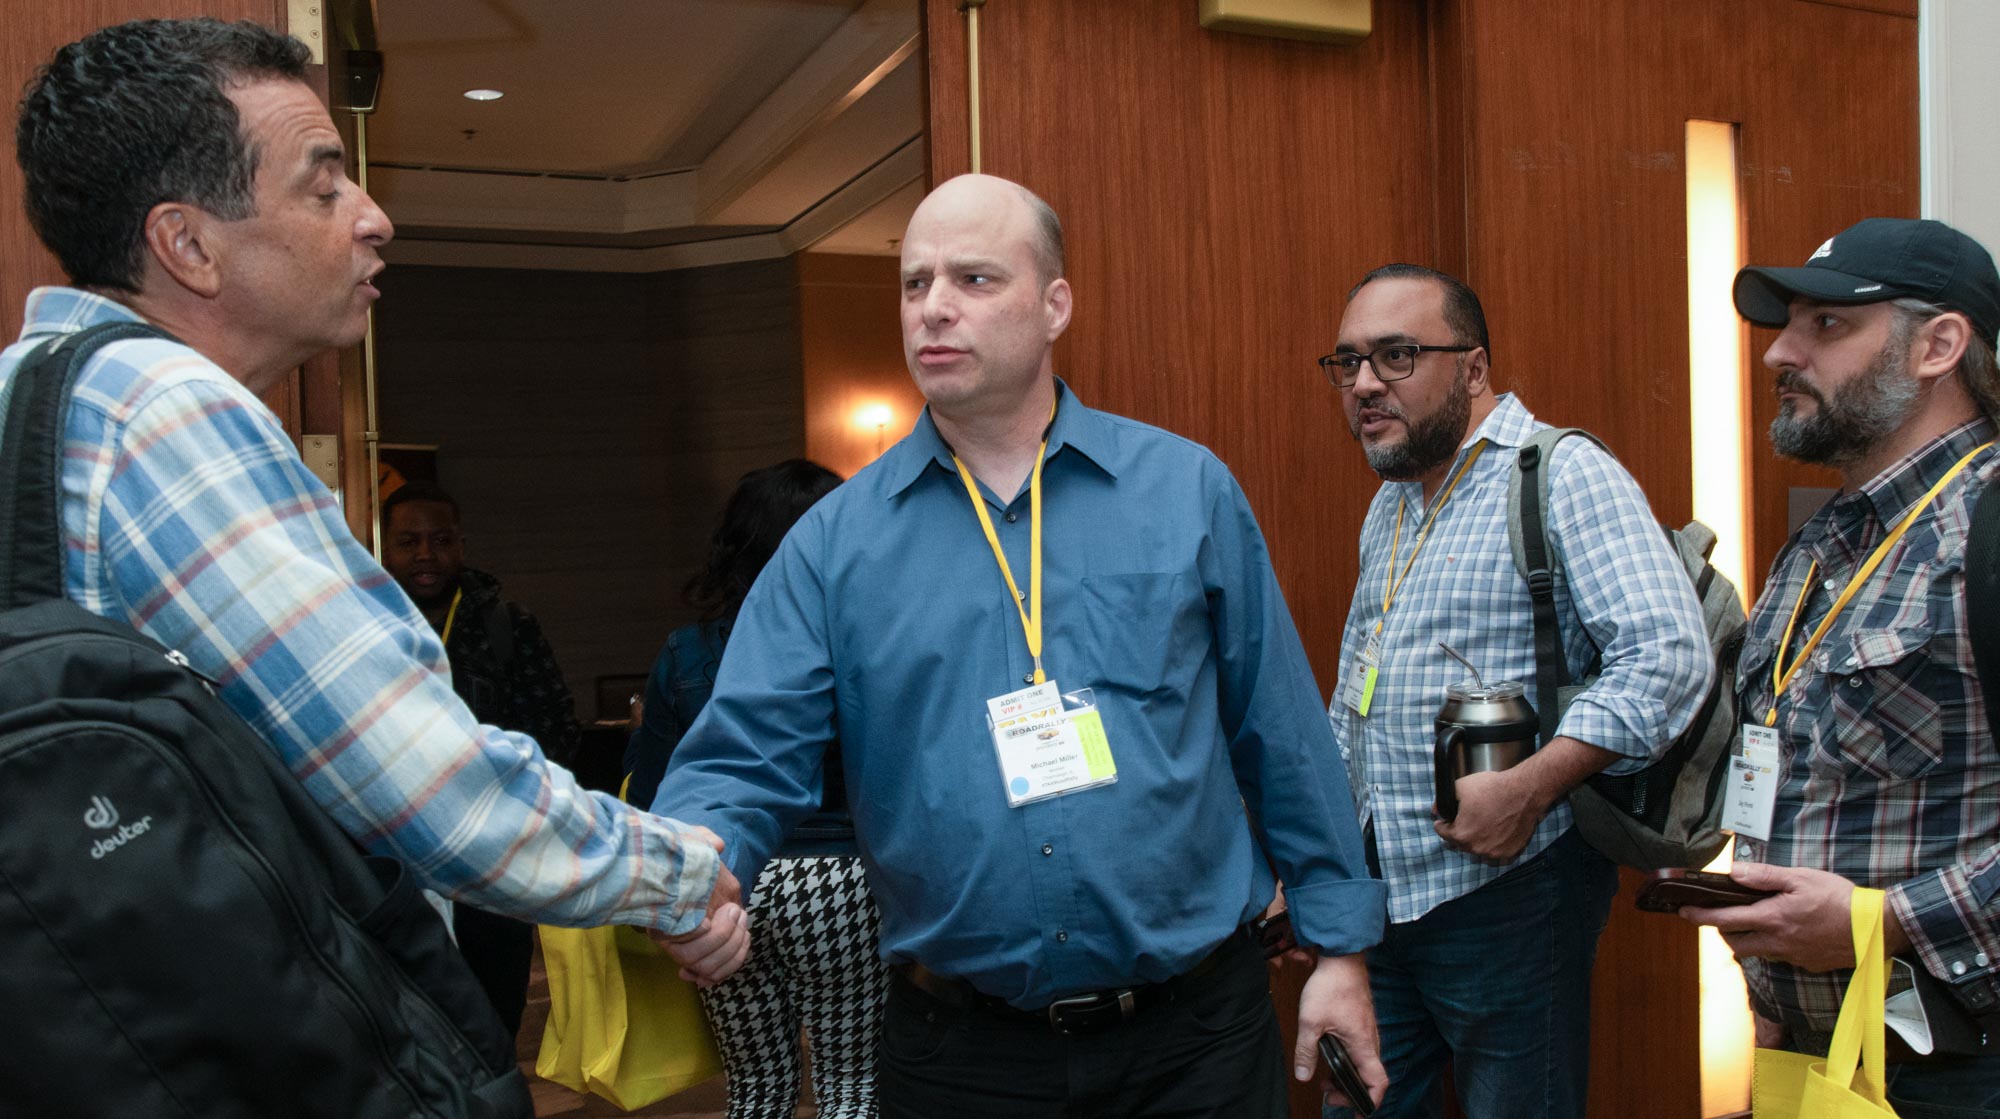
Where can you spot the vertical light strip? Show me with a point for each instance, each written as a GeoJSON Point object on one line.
{"type": "Point", "coordinates": [1719, 418]}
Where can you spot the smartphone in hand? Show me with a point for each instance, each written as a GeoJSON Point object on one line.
{"type": "Point", "coordinates": [1345, 1076]}
{"type": "Point", "coordinates": [1274, 934]}
{"type": "Point", "coordinates": [1669, 890]}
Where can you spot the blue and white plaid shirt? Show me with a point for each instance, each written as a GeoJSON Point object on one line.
{"type": "Point", "coordinates": [1619, 589]}
{"type": "Point", "coordinates": [187, 513]}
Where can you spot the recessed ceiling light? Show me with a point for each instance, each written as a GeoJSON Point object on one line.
{"type": "Point", "coordinates": [484, 94]}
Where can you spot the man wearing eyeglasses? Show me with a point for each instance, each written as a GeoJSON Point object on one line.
{"type": "Point", "coordinates": [1494, 915]}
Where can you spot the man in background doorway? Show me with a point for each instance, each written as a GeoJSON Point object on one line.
{"type": "Point", "coordinates": [1881, 734]}
{"type": "Point", "coordinates": [504, 670]}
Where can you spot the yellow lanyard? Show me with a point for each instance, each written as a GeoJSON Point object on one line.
{"type": "Point", "coordinates": [1031, 615]}
{"type": "Point", "coordinates": [1781, 673]}
{"type": "Point", "coordinates": [1392, 580]}
{"type": "Point", "coordinates": [451, 615]}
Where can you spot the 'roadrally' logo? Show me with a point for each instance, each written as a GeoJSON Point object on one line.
{"type": "Point", "coordinates": [103, 816]}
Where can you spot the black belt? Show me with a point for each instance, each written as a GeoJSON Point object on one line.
{"type": "Point", "coordinates": [1090, 1012]}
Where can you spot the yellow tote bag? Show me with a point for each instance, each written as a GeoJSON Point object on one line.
{"type": "Point", "coordinates": [1795, 1086]}
{"type": "Point", "coordinates": [622, 1023]}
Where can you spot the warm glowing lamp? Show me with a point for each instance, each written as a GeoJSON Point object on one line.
{"type": "Point", "coordinates": [877, 416]}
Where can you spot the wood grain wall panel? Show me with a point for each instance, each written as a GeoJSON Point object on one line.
{"type": "Point", "coordinates": [591, 427]}
{"type": "Point", "coordinates": [851, 349]}
{"type": "Point", "coordinates": [1578, 189]}
{"type": "Point", "coordinates": [1812, 166]}
{"type": "Point", "coordinates": [1220, 193]}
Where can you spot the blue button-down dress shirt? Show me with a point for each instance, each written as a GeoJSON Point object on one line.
{"type": "Point", "coordinates": [884, 620]}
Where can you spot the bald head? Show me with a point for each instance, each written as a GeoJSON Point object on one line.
{"type": "Point", "coordinates": [1019, 210]}
{"type": "Point", "coordinates": [983, 298]}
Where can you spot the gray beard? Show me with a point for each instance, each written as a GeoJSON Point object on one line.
{"type": "Point", "coordinates": [1431, 442]}
{"type": "Point", "coordinates": [1861, 413]}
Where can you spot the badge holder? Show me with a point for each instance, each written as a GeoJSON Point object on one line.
{"type": "Point", "coordinates": [1751, 795]}
{"type": "Point", "coordinates": [1049, 743]}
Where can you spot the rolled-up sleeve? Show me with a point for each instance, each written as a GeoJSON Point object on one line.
{"type": "Point", "coordinates": [1633, 596]}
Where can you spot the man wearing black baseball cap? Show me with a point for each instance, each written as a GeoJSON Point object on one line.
{"type": "Point", "coordinates": [1858, 663]}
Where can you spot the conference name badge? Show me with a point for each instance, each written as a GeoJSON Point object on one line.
{"type": "Point", "coordinates": [1752, 792]}
{"type": "Point", "coordinates": [1357, 692]}
{"type": "Point", "coordinates": [1049, 743]}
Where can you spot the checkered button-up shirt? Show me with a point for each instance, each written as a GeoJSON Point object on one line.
{"type": "Point", "coordinates": [187, 513]}
{"type": "Point", "coordinates": [1619, 589]}
{"type": "Point", "coordinates": [1891, 778]}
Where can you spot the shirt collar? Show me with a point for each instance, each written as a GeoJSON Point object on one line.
{"type": "Point", "coordinates": [1510, 424]}
{"type": "Point", "coordinates": [1083, 430]}
{"type": "Point", "coordinates": [64, 310]}
{"type": "Point", "coordinates": [1893, 491]}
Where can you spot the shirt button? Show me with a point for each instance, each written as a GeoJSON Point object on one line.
{"type": "Point", "coordinates": [1981, 959]}
{"type": "Point", "coordinates": [1958, 968]}
{"type": "Point", "coordinates": [1828, 584]}
{"type": "Point", "coordinates": [1012, 517]}
{"type": "Point", "coordinates": [1063, 938]}
{"type": "Point", "coordinates": [1027, 678]}
{"type": "Point", "coordinates": [1050, 849]}
{"type": "Point", "coordinates": [1854, 681]}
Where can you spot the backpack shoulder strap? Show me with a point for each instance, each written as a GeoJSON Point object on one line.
{"type": "Point", "coordinates": [1982, 597]}
{"type": "Point", "coordinates": [31, 450]}
{"type": "Point", "coordinates": [1527, 531]}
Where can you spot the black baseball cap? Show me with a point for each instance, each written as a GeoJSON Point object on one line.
{"type": "Point", "coordinates": [1876, 260]}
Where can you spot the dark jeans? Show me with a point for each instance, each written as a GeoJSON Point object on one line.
{"type": "Point", "coordinates": [1964, 1088]}
{"type": "Point", "coordinates": [1213, 1053]}
{"type": "Point", "coordinates": [1498, 983]}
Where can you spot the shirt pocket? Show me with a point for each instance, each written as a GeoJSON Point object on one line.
{"type": "Point", "coordinates": [1753, 677]}
{"type": "Point", "coordinates": [1885, 722]}
{"type": "Point", "coordinates": [1132, 625]}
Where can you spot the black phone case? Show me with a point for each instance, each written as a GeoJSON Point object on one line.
{"type": "Point", "coordinates": [1696, 888]}
{"type": "Point", "coordinates": [1344, 1077]}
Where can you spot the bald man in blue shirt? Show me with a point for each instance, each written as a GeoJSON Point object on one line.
{"type": "Point", "coordinates": [1079, 728]}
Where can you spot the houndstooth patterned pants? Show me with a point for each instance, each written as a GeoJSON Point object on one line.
{"type": "Point", "coordinates": [813, 963]}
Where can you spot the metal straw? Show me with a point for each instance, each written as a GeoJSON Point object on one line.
{"type": "Point", "coordinates": [1453, 653]}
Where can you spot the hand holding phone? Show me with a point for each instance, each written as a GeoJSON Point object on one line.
{"type": "Point", "coordinates": [1669, 890]}
{"type": "Point", "coordinates": [1345, 1076]}
{"type": "Point", "coordinates": [1274, 934]}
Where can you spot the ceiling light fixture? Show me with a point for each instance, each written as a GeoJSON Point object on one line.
{"type": "Point", "coordinates": [483, 95]}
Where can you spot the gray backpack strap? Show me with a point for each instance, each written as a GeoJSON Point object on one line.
{"type": "Point", "coordinates": [1527, 530]}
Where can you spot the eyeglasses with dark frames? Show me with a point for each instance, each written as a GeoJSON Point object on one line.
{"type": "Point", "coordinates": [1392, 362]}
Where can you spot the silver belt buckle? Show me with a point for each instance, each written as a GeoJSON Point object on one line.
{"type": "Point", "coordinates": [1123, 1000]}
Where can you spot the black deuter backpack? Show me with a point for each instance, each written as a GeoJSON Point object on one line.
{"type": "Point", "coordinates": [183, 931]}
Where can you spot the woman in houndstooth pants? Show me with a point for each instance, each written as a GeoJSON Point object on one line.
{"type": "Point", "coordinates": [813, 928]}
